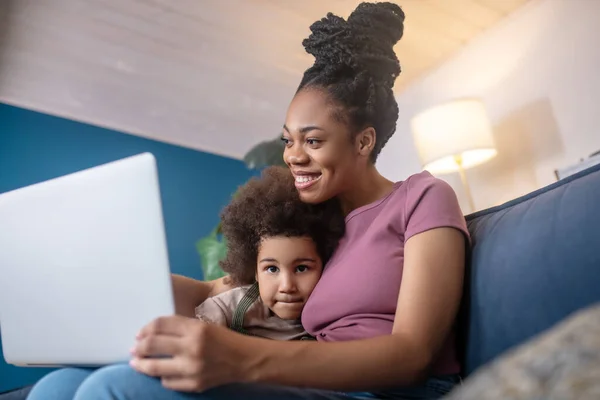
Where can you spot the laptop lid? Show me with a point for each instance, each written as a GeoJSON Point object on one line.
{"type": "Point", "coordinates": [83, 265]}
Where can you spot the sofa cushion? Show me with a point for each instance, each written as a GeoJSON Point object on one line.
{"type": "Point", "coordinates": [534, 261]}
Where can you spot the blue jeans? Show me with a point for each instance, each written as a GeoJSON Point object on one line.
{"type": "Point", "coordinates": [120, 382]}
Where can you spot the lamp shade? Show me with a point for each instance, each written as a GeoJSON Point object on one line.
{"type": "Point", "coordinates": [452, 135]}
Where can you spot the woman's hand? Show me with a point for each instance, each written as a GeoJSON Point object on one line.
{"type": "Point", "coordinates": [188, 354]}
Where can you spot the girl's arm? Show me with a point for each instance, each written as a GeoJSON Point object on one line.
{"type": "Point", "coordinates": [205, 356]}
{"type": "Point", "coordinates": [189, 293]}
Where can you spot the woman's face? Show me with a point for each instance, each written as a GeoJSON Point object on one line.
{"type": "Point", "coordinates": [318, 148]}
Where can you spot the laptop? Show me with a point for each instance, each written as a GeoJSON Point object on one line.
{"type": "Point", "coordinates": [83, 265]}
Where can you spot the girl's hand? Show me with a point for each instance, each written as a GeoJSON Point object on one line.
{"type": "Point", "coordinates": [188, 354]}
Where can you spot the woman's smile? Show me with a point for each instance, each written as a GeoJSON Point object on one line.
{"type": "Point", "coordinates": [305, 180]}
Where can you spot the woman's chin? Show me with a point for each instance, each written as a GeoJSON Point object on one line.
{"type": "Point", "coordinates": [313, 196]}
{"type": "Point", "coordinates": [310, 198]}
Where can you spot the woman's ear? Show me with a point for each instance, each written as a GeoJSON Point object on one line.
{"type": "Point", "coordinates": [365, 141]}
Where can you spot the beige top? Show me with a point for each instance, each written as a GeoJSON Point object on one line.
{"type": "Point", "coordinates": [259, 320]}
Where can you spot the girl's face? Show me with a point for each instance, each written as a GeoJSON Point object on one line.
{"type": "Point", "coordinates": [288, 269]}
{"type": "Point", "coordinates": [319, 149]}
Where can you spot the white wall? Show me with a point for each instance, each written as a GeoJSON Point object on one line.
{"type": "Point", "coordinates": [538, 73]}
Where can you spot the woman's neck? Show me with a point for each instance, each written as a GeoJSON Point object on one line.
{"type": "Point", "coordinates": [366, 188]}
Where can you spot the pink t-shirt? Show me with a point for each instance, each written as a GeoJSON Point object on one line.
{"type": "Point", "coordinates": [357, 295]}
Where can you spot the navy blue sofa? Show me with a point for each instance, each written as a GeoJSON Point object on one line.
{"type": "Point", "coordinates": [534, 261]}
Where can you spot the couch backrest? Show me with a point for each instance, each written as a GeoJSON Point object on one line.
{"type": "Point", "coordinates": [534, 261]}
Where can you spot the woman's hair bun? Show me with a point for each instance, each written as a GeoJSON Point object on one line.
{"type": "Point", "coordinates": [384, 22]}
{"type": "Point", "coordinates": [363, 43]}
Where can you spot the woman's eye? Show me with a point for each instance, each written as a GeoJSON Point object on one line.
{"type": "Point", "coordinates": [313, 142]}
{"type": "Point", "coordinates": [285, 141]}
{"type": "Point", "coordinates": [302, 268]}
{"type": "Point", "coordinates": [272, 270]}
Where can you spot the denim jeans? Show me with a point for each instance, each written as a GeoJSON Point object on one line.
{"type": "Point", "coordinates": [16, 394]}
{"type": "Point", "coordinates": [120, 382]}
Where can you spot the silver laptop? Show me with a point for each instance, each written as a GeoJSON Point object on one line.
{"type": "Point", "coordinates": [83, 265]}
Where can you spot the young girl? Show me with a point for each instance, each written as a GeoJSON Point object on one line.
{"type": "Point", "coordinates": [276, 248]}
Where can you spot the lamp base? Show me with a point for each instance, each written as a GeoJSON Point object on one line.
{"type": "Point", "coordinates": [463, 178]}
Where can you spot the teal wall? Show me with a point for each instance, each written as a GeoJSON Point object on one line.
{"type": "Point", "coordinates": [194, 185]}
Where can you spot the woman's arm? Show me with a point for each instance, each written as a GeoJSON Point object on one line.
{"type": "Point", "coordinates": [205, 356]}
{"type": "Point", "coordinates": [189, 293]}
{"type": "Point", "coordinates": [427, 306]}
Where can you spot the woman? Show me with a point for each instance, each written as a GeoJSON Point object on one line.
{"type": "Point", "coordinates": [384, 309]}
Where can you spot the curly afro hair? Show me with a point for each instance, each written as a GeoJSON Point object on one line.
{"type": "Point", "coordinates": [270, 206]}
{"type": "Point", "coordinates": [356, 64]}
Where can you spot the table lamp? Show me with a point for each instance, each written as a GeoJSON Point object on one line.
{"type": "Point", "coordinates": [452, 137]}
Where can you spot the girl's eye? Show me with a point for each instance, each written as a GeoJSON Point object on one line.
{"type": "Point", "coordinates": [313, 142]}
{"type": "Point", "coordinates": [285, 141]}
{"type": "Point", "coordinates": [301, 268]}
{"type": "Point", "coordinates": [272, 270]}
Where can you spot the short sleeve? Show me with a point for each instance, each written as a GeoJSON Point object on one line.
{"type": "Point", "coordinates": [210, 311]}
{"type": "Point", "coordinates": [431, 203]}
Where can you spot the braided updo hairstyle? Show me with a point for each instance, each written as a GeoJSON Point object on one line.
{"type": "Point", "coordinates": [357, 66]}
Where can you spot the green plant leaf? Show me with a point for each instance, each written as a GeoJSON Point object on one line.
{"type": "Point", "coordinates": [212, 249]}
{"type": "Point", "coordinates": [265, 153]}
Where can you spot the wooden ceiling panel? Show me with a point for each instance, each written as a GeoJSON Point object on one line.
{"type": "Point", "coordinates": [470, 12]}
{"type": "Point", "coordinates": [211, 75]}
{"type": "Point", "coordinates": [427, 16]}
{"type": "Point", "coordinates": [503, 6]}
